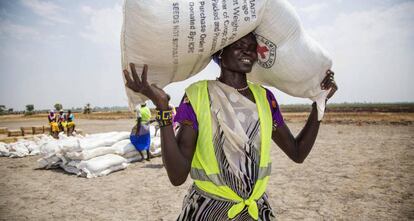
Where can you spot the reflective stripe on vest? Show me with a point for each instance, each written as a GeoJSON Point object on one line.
{"type": "Point", "coordinates": [204, 167]}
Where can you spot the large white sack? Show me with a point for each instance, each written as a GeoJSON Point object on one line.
{"type": "Point", "coordinates": [69, 144]}
{"type": "Point", "coordinates": [176, 40]}
{"type": "Point", "coordinates": [155, 146]}
{"type": "Point", "coordinates": [123, 147]}
{"type": "Point", "coordinates": [130, 154]}
{"type": "Point", "coordinates": [4, 150]}
{"type": "Point", "coordinates": [155, 142]}
{"type": "Point", "coordinates": [102, 140]}
{"type": "Point", "coordinates": [32, 147]}
{"type": "Point", "coordinates": [50, 148]}
{"type": "Point", "coordinates": [102, 165]}
{"type": "Point", "coordinates": [89, 153]}
{"type": "Point", "coordinates": [51, 161]}
{"type": "Point", "coordinates": [18, 149]}
{"type": "Point", "coordinates": [72, 167]}
{"type": "Point", "coordinates": [156, 152]}
{"type": "Point", "coordinates": [153, 130]}
{"type": "Point", "coordinates": [134, 159]}
{"type": "Point", "coordinates": [293, 62]}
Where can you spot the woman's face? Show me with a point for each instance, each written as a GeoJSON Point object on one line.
{"type": "Point", "coordinates": [241, 55]}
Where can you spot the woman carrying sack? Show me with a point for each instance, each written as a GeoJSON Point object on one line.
{"type": "Point", "coordinates": [224, 136]}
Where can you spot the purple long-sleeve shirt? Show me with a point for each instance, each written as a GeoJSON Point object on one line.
{"type": "Point", "coordinates": [185, 112]}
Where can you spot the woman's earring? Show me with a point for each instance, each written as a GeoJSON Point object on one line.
{"type": "Point", "coordinates": [221, 52]}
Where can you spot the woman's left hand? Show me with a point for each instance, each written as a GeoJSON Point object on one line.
{"type": "Point", "coordinates": [329, 83]}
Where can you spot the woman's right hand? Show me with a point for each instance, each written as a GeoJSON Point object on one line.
{"type": "Point", "coordinates": [154, 93]}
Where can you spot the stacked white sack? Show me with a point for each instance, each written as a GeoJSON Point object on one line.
{"type": "Point", "coordinates": [182, 35]}
{"type": "Point", "coordinates": [155, 146]}
{"type": "Point", "coordinates": [102, 165]}
{"type": "Point", "coordinates": [23, 147]}
{"type": "Point", "coordinates": [83, 155]}
{"type": "Point", "coordinates": [90, 156]}
{"type": "Point", "coordinates": [4, 150]}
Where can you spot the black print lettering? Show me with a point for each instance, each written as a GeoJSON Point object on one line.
{"type": "Point", "coordinates": [176, 13]}
{"type": "Point", "coordinates": [253, 9]}
{"type": "Point", "coordinates": [202, 42]}
{"type": "Point", "coordinates": [224, 4]}
{"type": "Point", "coordinates": [176, 34]}
{"type": "Point", "coordinates": [235, 21]}
{"type": "Point", "coordinates": [216, 26]}
{"type": "Point", "coordinates": [216, 16]}
{"type": "Point", "coordinates": [224, 33]}
{"type": "Point", "coordinates": [245, 8]}
{"type": "Point", "coordinates": [202, 17]}
{"type": "Point", "coordinates": [192, 17]}
{"type": "Point", "coordinates": [214, 43]}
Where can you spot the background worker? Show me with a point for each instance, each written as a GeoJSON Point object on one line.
{"type": "Point", "coordinates": [140, 135]}
{"type": "Point", "coordinates": [54, 127]}
{"type": "Point", "coordinates": [61, 120]}
{"type": "Point", "coordinates": [70, 124]}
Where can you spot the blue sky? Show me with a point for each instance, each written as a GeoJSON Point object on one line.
{"type": "Point", "coordinates": [68, 51]}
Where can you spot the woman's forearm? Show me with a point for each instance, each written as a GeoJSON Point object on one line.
{"type": "Point", "coordinates": [307, 136]}
{"type": "Point", "coordinates": [176, 162]}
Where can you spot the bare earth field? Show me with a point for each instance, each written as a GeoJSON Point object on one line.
{"type": "Point", "coordinates": [360, 169]}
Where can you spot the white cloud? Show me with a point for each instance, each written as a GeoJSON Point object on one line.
{"type": "Point", "coordinates": [104, 25]}
{"type": "Point", "coordinates": [9, 29]}
{"type": "Point", "coordinates": [372, 52]}
{"type": "Point", "coordinates": [46, 9]}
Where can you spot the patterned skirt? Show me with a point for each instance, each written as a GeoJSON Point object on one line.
{"type": "Point", "coordinates": [198, 206]}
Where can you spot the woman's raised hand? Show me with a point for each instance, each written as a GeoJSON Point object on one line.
{"type": "Point", "coordinates": [329, 82]}
{"type": "Point", "coordinates": [154, 93]}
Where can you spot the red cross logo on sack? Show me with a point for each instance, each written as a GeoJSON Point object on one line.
{"type": "Point", "coordinates": [266, 51]}
{"type": "Point", "coordinates": [261, 50]}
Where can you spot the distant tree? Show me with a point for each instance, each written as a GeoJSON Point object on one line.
{"type": "Point", "coordinates": [29, 109]}
{"type": "Point", "coordinates": [58, 106]}
{"type": "Point", "coordinates": [2, 109]}
{"type": "Point", "coordinates": [87, 109]}
{"type": "Point", "coordinates": [10, 110]}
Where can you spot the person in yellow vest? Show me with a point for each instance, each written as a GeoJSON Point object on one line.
{"type": "Point", "coordinates": [54, 127]}
{"type": "Point", "coordinates": [61, 120]}
{"type": "Point", "coordinates": [223, 140]}
{"type": "Point", "coordinates": [140, 135]}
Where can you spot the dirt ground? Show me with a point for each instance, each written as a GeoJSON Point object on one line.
{"type": "Point", "coordinates": [355, 172]}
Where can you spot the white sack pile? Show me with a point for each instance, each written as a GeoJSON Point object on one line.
{"type": "Point", "coordinates": [93, 155]}
{"type": "Point", "coordinates": [90, 156]}
{"type": "Point", "coordinates": [177, 38]}
{"type": "Point", "coordinates": [23, 148]}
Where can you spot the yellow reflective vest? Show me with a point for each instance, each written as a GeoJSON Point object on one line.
{"type": "Point", "coordinates": [145, 114]}
{"type": "Point", "coordinates": [204, 167]}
